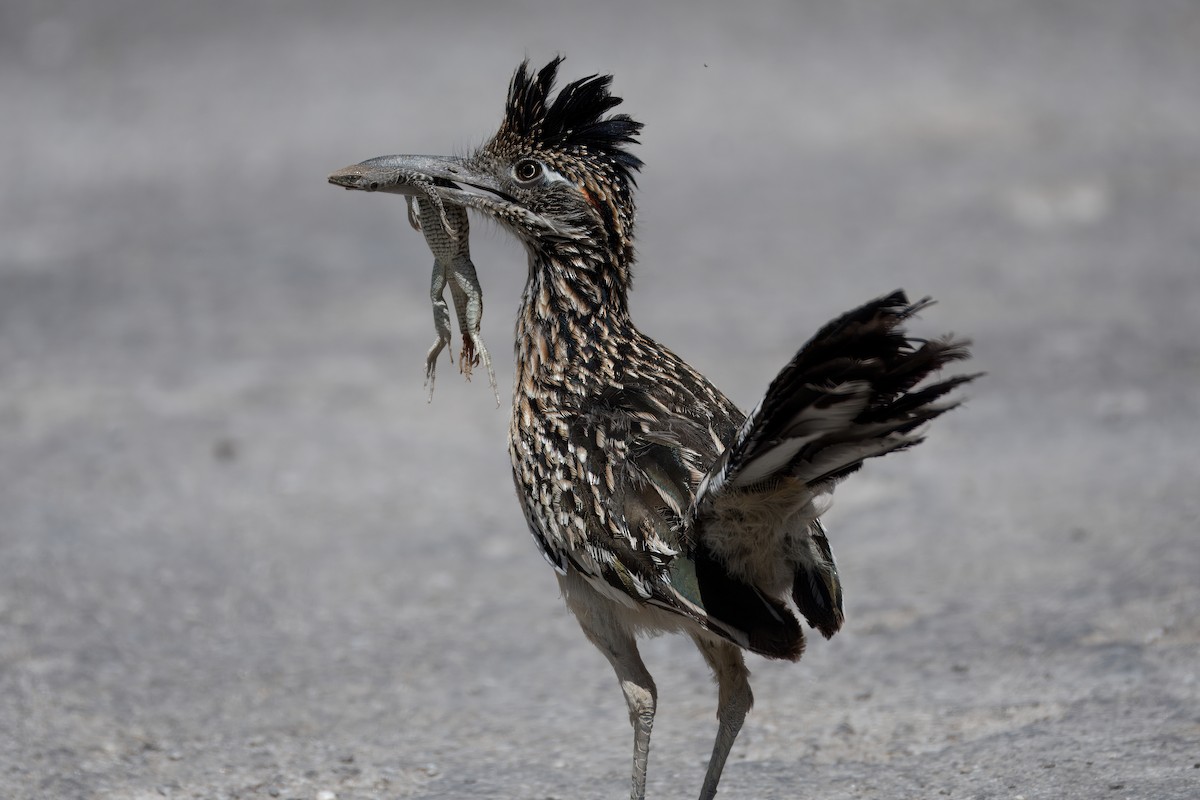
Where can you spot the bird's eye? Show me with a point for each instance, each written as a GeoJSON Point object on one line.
{"type": "Point", "coordinates": [527, 170]}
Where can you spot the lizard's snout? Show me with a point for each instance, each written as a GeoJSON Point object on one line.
{"type": "Point", "coordinates": [353, 178]}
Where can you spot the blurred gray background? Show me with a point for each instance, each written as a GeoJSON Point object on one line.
{"type": "Point", "coordinates": [241, 557]}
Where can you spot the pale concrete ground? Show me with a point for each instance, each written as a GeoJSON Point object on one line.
{"type": "Point", "coordinates": [240, 557]}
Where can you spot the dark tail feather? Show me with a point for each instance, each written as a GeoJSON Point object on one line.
{"type": "Point", "coordinates": [816, 589]}
{"type": "Point", "coordinates": [859, 389]}
{"type": "Point", "coordinates": [770, 628]}
{"type": "Point", "coordinates": [849, 394]}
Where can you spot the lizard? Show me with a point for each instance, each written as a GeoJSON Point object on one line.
{"type": "Point", "coordinates": [445, 229]}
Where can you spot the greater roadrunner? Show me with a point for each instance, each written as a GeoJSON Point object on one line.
{"type": "Point", "coordinates": [661, 506]}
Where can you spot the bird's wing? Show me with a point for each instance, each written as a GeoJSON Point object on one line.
{"type": "Point", "coordinates": [645, 454]}
{"type": "Point", "coordinates": [637, 465]}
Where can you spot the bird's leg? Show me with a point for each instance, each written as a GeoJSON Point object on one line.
{"type": "Point", "coordinates": [641, 697]}
{"type": "Point", "coordinates": [735, 700]}
{"type": "Point", "coordinates": [620, 648]}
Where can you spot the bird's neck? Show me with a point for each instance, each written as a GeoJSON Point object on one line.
{"type": "Point", "coordinates": [574, 314]}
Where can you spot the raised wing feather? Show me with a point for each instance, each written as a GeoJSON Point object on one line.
{"type": "Point", "coordinates": [645, 459]}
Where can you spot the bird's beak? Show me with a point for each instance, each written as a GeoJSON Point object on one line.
{"type": "Point", "coordinates": [455, 180]}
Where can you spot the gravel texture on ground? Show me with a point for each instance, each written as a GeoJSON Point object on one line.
{"type": "Point", "coordinates": [241, 557]}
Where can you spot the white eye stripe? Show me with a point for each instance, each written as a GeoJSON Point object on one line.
{"type": "Point", "coordinates": [552, 176]}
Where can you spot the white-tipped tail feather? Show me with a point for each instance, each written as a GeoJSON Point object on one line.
{"type": "Point", "coordinates": [854, 391]}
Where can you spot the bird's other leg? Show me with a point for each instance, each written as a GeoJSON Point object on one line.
{"type": "Point", "coordinates": [735, 700]}
{"type": "Point", "coordinates": [614, 640]}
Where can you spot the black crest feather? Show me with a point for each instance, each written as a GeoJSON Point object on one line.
{"type": "Point", "coordinates": [574, 122]}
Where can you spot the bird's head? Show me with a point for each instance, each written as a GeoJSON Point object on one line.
{"type": "Point", "coordinates": [558, 173]}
